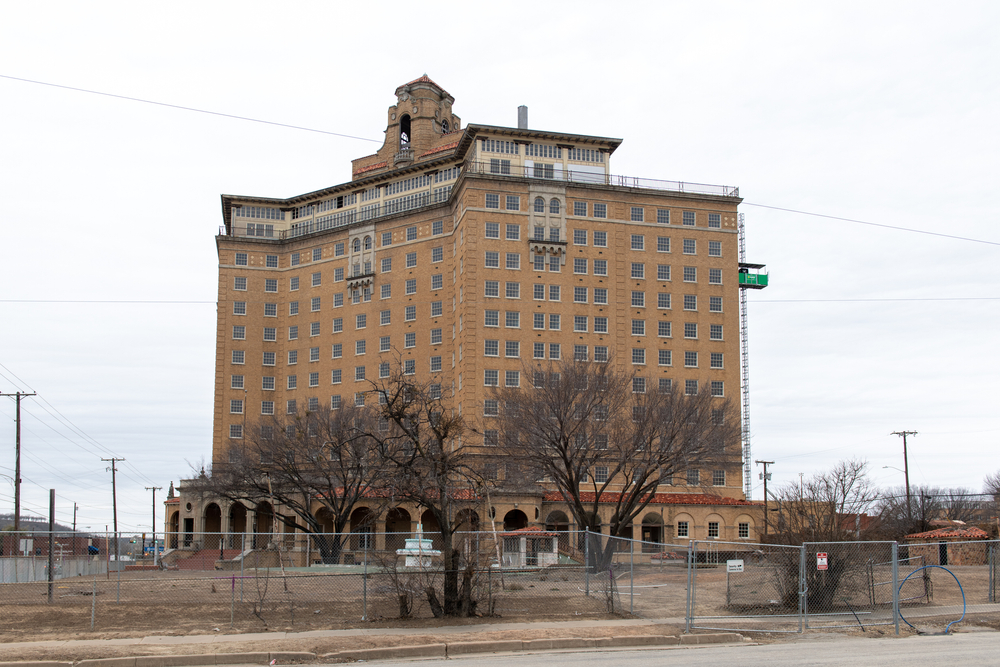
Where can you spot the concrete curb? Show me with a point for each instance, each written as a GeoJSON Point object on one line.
{"type": "Point", "coordinates": [398, 652]}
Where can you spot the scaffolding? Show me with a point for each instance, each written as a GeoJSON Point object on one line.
{"type": "Point", "coordinates": [752, 276]}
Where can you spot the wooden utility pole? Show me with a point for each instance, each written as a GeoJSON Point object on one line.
{"type": "Point", "coordinates": [765, 476]}
{"type": "Point", "coordinates": [906, 472]}
{"type": "Point", "coordinates": [114, 503]}
{"type": "Point", "coordinates": [17, 459]}
{"type": "Point", "coordinates": [155, 550]}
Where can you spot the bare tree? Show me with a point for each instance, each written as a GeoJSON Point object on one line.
{"type": "Point", "coordinates": [827, 507]}
{"type": "Point", "coordinates": [313, 457]}
{"type": "Point", "coordinates": [428, 463]}
{"type": "Point", "coordinates": [927, 504]}
{"type": "Point", "coordinates": [602, 437]}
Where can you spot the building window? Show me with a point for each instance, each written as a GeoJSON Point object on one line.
{"type": "Point", "coordinates": [293, 283]}
{"type": "Point", "coordinates": [600, 474]}
{"type": "Point", "coordinates": [580, 209]}
{"type": "Point", "coordinates": [600, 211]}
{"type": "Point", "coordinates": [513, 290]}
{"type": "Point", "coordinates": [239, 307]}
{"type": "Point", "coordinates": [690, 302]}
{"type": "Point", "coordinates": [513, 232]}
{"type": "Point", "coordinates": [437, 227]}
{"type": "Point", "coordinates": [512, 379]}
{"type": "Point", "coordinates": [492, 288]}
{"type": "Point", "coordinates": [336, 376]}
{"type": "Point", "coordinates": [580, 323]}
{"type": "Point", "coordinates": [714, 220]}
{"type": "Point", "coordinates": [663, 330]}
{"type": "Point", "coordinates": [513, 260]}
{"type": "Point", "coordinates": [491, 348]}
{"type": "Point", "coordinates": [267, 383]}
{"type": "Point", "coordinates": [492, 318]}
{"type": "Point", "coordinates": [236, 407]}
{"type": "Point", "coordinates": [682, 529]}
{"type": "Point", "coordinates": [411, 233]}
{"type": "Point", "coordinates": [241, 259]}
{"type": "Point", "coordinates": [555, 351]}
{"type": "Point", "coordinates": [236, 431]}
{"type": "Point", "coordinates": [600, 353]}
{"type": "Point", "coordinates": [555, 321]}
{"type": "Point", "coordinates": [513, 203]}
{"type": "Point", "coordinates": [268, 359]}
{"type": "Point", "coordinates": [538, 351]}
{"type": "Point", "coordinates": [690, 387]}
{"type": "Point", "coordinates": [638, 299]}
{"type": "Point", "coordinates": [638, 270]}
{"type": "Point", "coordinates": [715, 332]}
{"type": "Point", "coordinates": [270, 333]}
{"type": "Point", "coordinates": [716, 360]}
{"type": "Point", "coordinates": [715, 248]}
{"type": "Point", "coordinates": [436, 336]}
{"type": "Point", "coordinates": [715, 276]}
{"type": "Point", "coordinates": [688, 219]}
{"type": "Point", "coordinates": [638, 355]}
{"type": "Point", "coordinates": [638, 327]}
{"type": "Point", "coordinates": [554, 206]}
{"type": "Point", "coordinates": [513, 319]}
{"type": "Point", "coordinates": [690, 274]}
{"type": "Point", "coordinates": [240, 284]}
{"type": "Point", "coordinates": [662, 244]}
{"type": "Point", "coordinates": [713, 529]}
{"type": "Point", "coordinates": [314, 379]}
{"type": "Point", "coordinates": [662, 216]}
{"type": "Point", "coordinates": [636, 214]}
{"type": "Point", "coordinates": [554, 264]}
{"type": "Point", "coordinates": [579, 295]}
{"type": "Point", "coordinates": [337, 351]}
{"type": "Point", "coordinates": [744, 529]}
{"type": "Point", "coordinates": [359, 373]}
{"type": "Point", "coordinates": [666, 385]}
{"type": "Point", "coordinates": [718, 478]}
{"type": "Point", "coordinates": [718, 388]}
{"type": "Point", "coordinates": [691, 360]}
{"type": "Point", "coordinates": [715, 304]}
{"type": "Point", "coordinates": [665, 358]}
{"type": "Point", "coordinates": [437, 281]}
{"type": "Point", "coordinates": [663, 272]}
{"type": "Point", "coordinates": [601, 325]}
{"type": "Point", "coordinates": [292, 381]}
{"type": "Point", "coordinates": [600, 295]}
{"type": "Point", "coordinates": [492, 259]}
{"type": "Point", "coordinates": [512, 348]}
{"type": "Point", "coordinates": [360, 346]}
{"type": "Point", "coordinates": [690, 329]}
{"type": "Point", "coordinates": [492, 230]}
{"type": "Point", "coordinates": [690, 246]}
{"type": "Point", "coordinates": [409, 339]}
{"type": "Point", "coordinates": [410, 313]}
{"type": "Point", "coordinates": [580, 353]}
{"type": "Point", "coordinates": [638, 242]}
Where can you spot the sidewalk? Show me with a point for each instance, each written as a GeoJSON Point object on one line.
{"type": "Point", "coordinates": [371, 644]}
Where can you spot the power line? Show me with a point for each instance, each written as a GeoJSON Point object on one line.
{"type": "Point", "coordinates": [183, 108]}
{"type": "Point", "coordinates": [873, 224]}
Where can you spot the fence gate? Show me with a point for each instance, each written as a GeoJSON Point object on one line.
{"type": "Point", "coordinates": [741, 586]}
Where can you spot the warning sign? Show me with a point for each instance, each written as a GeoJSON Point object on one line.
{"type": "Point", "coordinates": [821, 561]}
{"type": "Point", "coordinates": [734, 565]}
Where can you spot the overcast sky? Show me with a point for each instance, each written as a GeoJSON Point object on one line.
{"type": "Point", "coordinates": [884, 113]}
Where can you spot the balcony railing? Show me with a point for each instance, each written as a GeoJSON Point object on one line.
{"type": "Point", "coordinates": [438, 196]}
{"type": "Point", "coordinates": [572, 176]}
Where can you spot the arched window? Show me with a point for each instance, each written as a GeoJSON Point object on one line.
{"type": "Point", "coordinates": [368, 243]}
{"type": "Point", "coordinates": [357, 245]}
{"type": "Point", "coordinates": [554, 206]}
{"type": "Point", "coordinates": [404, 131]}
{"type": "Point", "coordinates": [539, 205]}
{"type": "Point", "coordinates": [444, 127]}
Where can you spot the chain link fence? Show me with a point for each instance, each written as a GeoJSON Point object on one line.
{"type": "Point", "coordinates": [245, 583]}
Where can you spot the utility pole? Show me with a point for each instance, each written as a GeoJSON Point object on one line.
{"type": "Point", "coordinates": [114, 503]}
{"type": "Point", "coordinates": [765, 476]}
{"type": "Point", "coordinates": [17, 460]}
{"type": "Point", "coordinates": [906, 472]}
{"type": "Point", "coordinates": [153, 489]}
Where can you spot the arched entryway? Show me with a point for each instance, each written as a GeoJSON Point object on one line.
{"type": "Point", "coordinates": [432, 531]}
{"type": "Point", "coordinates": [263, 526]}
{"type": "Point", "coordinates": [515, 520]}
{"type": "Point", "coordinates": [173, 527]}
{"type": "Point", "coordinates": [212, 526]}
{"type": "Point", "coordinates": [237, 525]}
{"type": "Point", "coordinates": [652, 533]}
{"type": "Point", "coordinates": [326, 542]}
{"type": "Point", "coordinates": [558, 522]}
{"type": "Point", "coordinates": [397, 528]}
{"type": "Point", "coordinates": [362, 529]}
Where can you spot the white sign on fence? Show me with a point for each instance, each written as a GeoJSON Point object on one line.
{"type": "Point", "coordinates": [821, 561]}
{"type": "Point", "coordinates": [734, 565]}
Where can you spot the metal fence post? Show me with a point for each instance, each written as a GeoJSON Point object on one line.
{"type": "Point", "coordinates": [93, 602]}
{"type": "Point", "coordinates": [365, 580]}
{"type": "Point", "coordinates": [243, 558]}
{"type": "Point", "coordinates": [689, 603]}
{"type": "Point", "coordinates": [631, 575]}
{"type": "Point", "coordinates": [895, 585]}
{"type": "Point", "coordinates": [803, 621]}
{"type": "Point", "coordinates": [586, 560]}
{"type": "Point", "coordinates": [991, 563]}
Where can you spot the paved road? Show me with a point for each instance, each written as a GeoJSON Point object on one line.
{"type": "Point", "coordinates": [980, 648]}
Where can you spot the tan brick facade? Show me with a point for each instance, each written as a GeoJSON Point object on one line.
{"type": "Point", "coordinates": [440, 270]}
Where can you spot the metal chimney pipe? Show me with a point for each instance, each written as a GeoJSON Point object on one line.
{"type": "Point", "coordinates": [522, 117]}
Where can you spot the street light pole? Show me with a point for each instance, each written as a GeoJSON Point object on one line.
{"type": "Point", "coordinates": [906, 472]}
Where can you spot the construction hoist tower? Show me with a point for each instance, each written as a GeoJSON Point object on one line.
{"type": "Point", "coordinates": [752, 276]}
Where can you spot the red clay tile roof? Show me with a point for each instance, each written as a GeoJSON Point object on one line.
{"type": "Point", "coordinates": [438, 149]}
{"type": "Point", "coordinates": [959, 533]}
{"type": "Point", "coordinates": [171, 501]}
{"type": "Point", "coordinates": [661, 499]}
{"type": "Point", "coordinates": [377, 165]}
{"type": "Point", "coordinates": [530, 531]}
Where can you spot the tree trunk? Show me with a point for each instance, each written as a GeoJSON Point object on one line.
{"type": "Point", "coordinates": [432, 600]}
